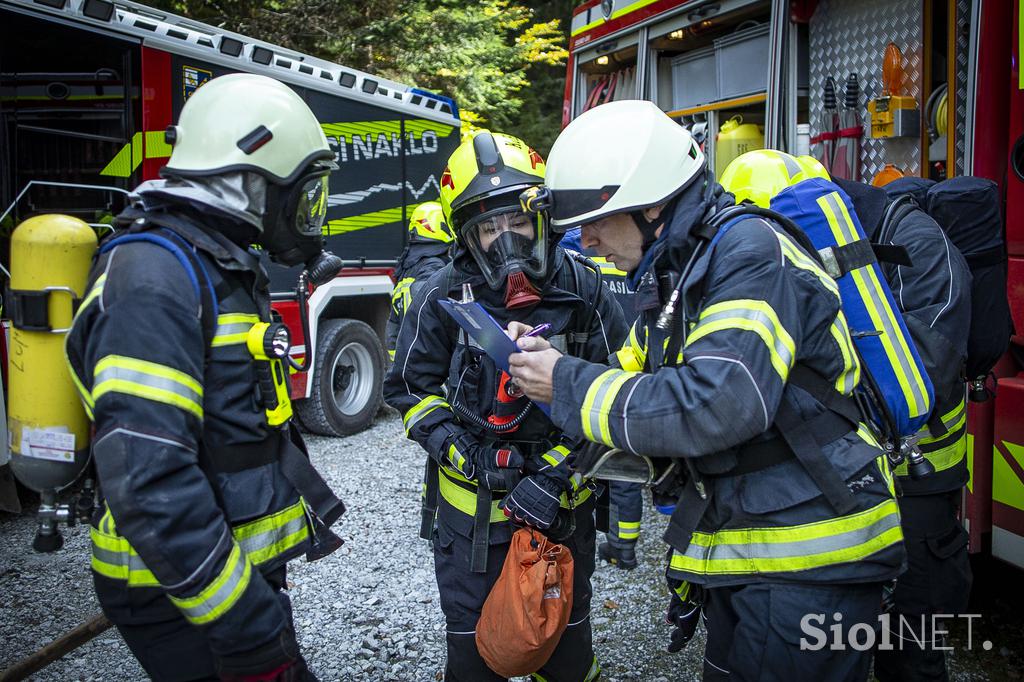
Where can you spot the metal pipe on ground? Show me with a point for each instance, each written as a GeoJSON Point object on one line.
{"type": "Point", "coordinates": [56, 649]}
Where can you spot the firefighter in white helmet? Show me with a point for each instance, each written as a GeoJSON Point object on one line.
{"type": "Point", "coordinates": [207, 491]}
{"type": "Point", "coordinates": [785, 506]}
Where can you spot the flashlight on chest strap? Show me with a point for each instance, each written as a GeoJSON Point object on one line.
{"type": "Point", "coordinates": [268, 343]}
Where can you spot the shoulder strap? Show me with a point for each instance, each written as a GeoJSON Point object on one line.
{"type": "Point", "coordinates": [727, 218]}
{"type": "Point", "coordinates": [193, 267]}
{"type": "Point", "coordinates": [886, 249]}
{"type": "Point", "coordinates": [570, 281]}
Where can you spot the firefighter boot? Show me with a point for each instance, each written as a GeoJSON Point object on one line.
{"type": "Point", "coordinates": [621, 554]}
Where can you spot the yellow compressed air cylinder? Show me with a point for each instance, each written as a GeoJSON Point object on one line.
{"type": "Point", "coordinates": [736, 138]}
{"type": "Point", "coordinates": [49, 430]}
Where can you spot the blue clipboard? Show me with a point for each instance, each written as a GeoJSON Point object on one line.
{"type": "Point", "coordinates": [486, 331]}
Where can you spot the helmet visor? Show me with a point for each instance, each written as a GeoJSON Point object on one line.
{"type": "Point", "coordinates": [311, 205]}
{"type": "Point", "coordinates": [506, 240]}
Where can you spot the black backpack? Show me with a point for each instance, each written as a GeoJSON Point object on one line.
{"type": "Point", "coordinates": [967, 210]}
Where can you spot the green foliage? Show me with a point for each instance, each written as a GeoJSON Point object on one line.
{"type": "Point", "coordinates": [483, 53]}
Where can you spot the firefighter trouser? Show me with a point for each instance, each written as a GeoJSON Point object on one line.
{"type": "Point", "coordinates": [626, 504]}
{"type": "Point", "coordinates": [169, 648]}
{"type": "Point", "coordinates": [937, 581]}
{"type": "Point", "coordinates": [463, 594]}
{"type": "Point", "coordinates": [755, 631]}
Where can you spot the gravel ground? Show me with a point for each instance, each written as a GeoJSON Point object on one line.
{"type": "Point", "coordinates": [370, 611]}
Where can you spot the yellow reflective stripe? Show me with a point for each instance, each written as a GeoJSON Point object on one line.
{"type": "Point", "coordinates": [629, 530]}
{"type": "Point", "coordinates": [95, 292]}
{"type": "Point", "coordinates": [462, 499]}
{"type": "Point", "coordinates": [457, 459]}
{"type": "Point", "coordinates": [402, 292]}
{"type": "Point", "coordinates": [156, 145]}
{"type": "Point", "coordinates": [850, 376]}
{"type": "Point", "coordinates": [865, 434]}
{"type": "Point", "coordinates": [792, 548]}
{"type": "Point", "coordinates": [682, 590]}
{"type": "Point", "coordinates": [954, 452]}
{"type": "Point", "coordinates": [882, 462]}
{"type": "Point", "coordinates": [753, 316]}
{"type": "Point", "coordinates": [233, 328]}
{"type": "Point", "coordinates": [802, 261]}
{"type": "Point", "coordinates": [421, 410]}
{"type": "Point", "coordinates": [595, 671]}
{"type": "Point", "coordinates": [952, 420]}
{"type": "Point", "coordinates": [149, 380]}
{"type": "Point", "coordinates": [215, 599]}
{"type": "Point", "coordinates": [391, 355]}
{"type": "Point", "coordinates": [261, 540]}
{"type": "Point", "coordinates": [87, 402]}
{"type": "Point", "coordinates": [580, 493]}
{"type": "Point", "coordinates": [608, 268]}
{"type": "Point", "coordinates": [598, 402]}
{"type": "Point", "coordinates": [556, 455]}
{"type": "Point", "coordinates": [892, 338]}
{"type": "Point", "coordinates": [114, 558]}
{"type": "Point", "coordinates": [271, 536]}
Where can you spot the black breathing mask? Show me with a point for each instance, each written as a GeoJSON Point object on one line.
{"type": "Point", "coordinates": [294, 219]}
{"type": "Point", "coordinates": [511, 249]}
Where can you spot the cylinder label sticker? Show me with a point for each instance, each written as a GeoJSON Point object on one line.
{"type": "Point", "coordinates": [51, 444]}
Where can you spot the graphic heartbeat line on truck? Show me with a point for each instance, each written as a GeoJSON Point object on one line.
{"type": "Point", "coordinates": [345, 198]}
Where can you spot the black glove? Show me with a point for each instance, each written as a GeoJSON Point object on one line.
{"type": "Point", "coordinates": [534, 501]}
{"type": "Point", "coordinates": [683, 613]}
{"type": "Point", "coordinates": [494, 467]}
{"type": "Point", "coordinates": [278, 660]}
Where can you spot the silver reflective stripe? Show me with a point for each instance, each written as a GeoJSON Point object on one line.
{"type": "Point", "coordinates": [847, 229]}
{"type": "Point", "coordinates": [849, 376]}
{"type": "Point", "coordinates": [203, 608]}
{"type": "Point", "coordinates": [756, 316]}
{"type": "Point", "coordinates": [792, 167]}
{"type": "Point", "coordinates": [133, 562]}
{"type": "Point", "coordinates": [880, 306]}
{"type": "Point", "coordinates": [261, 541]}
{"type": "Point", "coordinates": [147, 379]}
{"type": "Point", "coordinates": [233, 329]}
{"type": "Point", "coordinates": [755, 551]}
{"type": "Point", "coordinates": [597, 405]}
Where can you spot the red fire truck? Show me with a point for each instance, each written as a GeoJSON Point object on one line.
{"type": "Point", "coordinates": [87, 88]}
{"type": "Point", "coordinates": [745, 74]}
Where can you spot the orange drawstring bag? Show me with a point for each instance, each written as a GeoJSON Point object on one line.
{"type": "Point", "coordinates": [528, 608]}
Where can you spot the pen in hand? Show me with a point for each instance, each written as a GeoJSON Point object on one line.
{"type": "Point", "coordinates": [537, 331]}
{"type": "Point", "coordinates": [513, 389]}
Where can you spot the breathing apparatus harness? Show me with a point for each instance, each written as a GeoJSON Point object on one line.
{"type": "Point", "coordinates": [796, 438]}
{"type": "Point", "coordinates": [268, 343]}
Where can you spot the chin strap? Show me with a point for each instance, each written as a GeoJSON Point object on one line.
{"type": "Point", "coordinates": [648, 228]}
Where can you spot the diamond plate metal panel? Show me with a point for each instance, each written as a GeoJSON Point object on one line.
{"type": "Point", "coordinates": [851, 36]}
{"type": "Point", "coordinates": [963, 34]}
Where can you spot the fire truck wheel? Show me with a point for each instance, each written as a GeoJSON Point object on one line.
{"type": "Point", "coordinates": [346, 389]}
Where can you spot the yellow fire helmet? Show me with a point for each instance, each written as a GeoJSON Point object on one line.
{"type": "Point", "coordinates": [480, 191]}
{"type": "Point", "coordinates": [759, 175]}
{"type": "Point", "coordinates": [487, 166]}
{"type": "Point", "coordinates": [427, 224]}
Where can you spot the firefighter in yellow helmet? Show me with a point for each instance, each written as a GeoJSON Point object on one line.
{"type": "Point", "coordinates": [427, 251]}
{"type": "Point", "coordinates": [496, 461]}
{"type": "Point", "coordinates": [934, 297]}
{"type": "Point", "coordinates": [759, 175]}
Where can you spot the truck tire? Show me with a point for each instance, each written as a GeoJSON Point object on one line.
{"type": "Point", "coordinates": [347, 379]}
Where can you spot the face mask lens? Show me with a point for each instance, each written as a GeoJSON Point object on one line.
{"type": "Point", "coordinates": [311, 207]}
{"type": "Point", "coordinates": [507, 241]}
